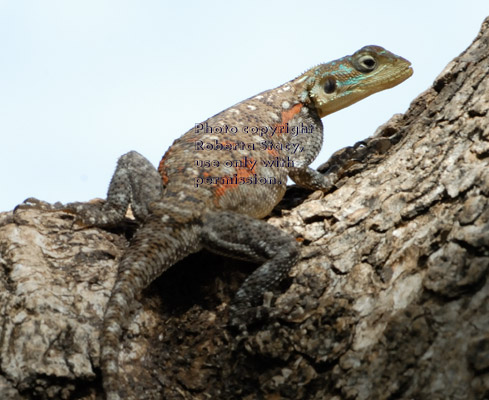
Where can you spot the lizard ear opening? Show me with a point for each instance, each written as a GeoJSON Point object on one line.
{"type": "Point", "coordinates": [329, 86]}
{"type": "Point", "coordinates": [365, 63]}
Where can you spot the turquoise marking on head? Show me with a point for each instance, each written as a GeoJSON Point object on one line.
{"type": "Point", "coordinates": [345, 68]}
{"type": "Point", "coordinates": [352, 81]}
{"type": "Point", "coordinates": [342, 69]}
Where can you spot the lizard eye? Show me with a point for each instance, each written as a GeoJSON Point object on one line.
{"type": "Point", "coordinates": [366, 63]}
{"type": "Point", "coordinates": [330, 85]}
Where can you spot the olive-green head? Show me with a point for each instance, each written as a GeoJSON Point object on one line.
{"type": "Point", "coordinates": [340, 83]}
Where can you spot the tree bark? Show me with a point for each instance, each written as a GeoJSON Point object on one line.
{"type": "Point", "coordinates": [389, 300]}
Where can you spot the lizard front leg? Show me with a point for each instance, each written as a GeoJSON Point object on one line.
{"type": "Point", "coordinates": [309, 178]}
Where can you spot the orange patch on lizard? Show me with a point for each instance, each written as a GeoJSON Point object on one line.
{"type": "Point", "coordinates": [162, 167]}
{"type": "Point", "coordinates": [272, 152]}
{"type": "Point", "coordinates": [241, 172]}
{"type": "Point", "coordinates": [287, 115]}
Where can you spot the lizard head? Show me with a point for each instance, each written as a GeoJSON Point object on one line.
{"type": "Point", "coordinates": [340, 83]}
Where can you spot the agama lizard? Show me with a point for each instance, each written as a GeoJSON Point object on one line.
{"type": "Point", "coordinates": [219, 178]}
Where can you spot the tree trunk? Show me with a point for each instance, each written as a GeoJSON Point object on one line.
{"type": "Point", "coordinates": [389, 300]}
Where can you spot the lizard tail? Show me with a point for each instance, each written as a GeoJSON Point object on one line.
{"type": "Point", "coordinates": [159, 244]}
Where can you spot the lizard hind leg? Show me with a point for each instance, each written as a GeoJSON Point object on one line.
{"type": "Point", "coordinates": [240, 236]}
{"type": "Point", "coordinates": [135, 181]}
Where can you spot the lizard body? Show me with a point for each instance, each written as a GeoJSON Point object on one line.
{"type": "Point", "coordinates": [219, 178]}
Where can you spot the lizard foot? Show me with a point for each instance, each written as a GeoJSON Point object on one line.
{"type": "Point", "coordinates": [33, 203]}
{"type": "Point", "coordinates": [241, 318]}
{"type": "Point", "coordinates": [77, 210]}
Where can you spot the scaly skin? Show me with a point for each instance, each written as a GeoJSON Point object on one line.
{"type": "Point", "coordinates": [189, 205]}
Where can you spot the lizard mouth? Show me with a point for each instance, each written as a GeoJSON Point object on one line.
{"type": "Point", "coordinates": [398, 77]}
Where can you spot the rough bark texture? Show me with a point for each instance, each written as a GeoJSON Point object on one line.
{"type": "Point", "coordinates": [389, 301]}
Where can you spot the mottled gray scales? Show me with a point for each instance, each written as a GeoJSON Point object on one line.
{"type": "Point", "coordinates": [311, 179]}
{"type": "Point", "coordinates": [135, 182]}
{"type": "Point", "coordinates": [240, 236]}
{"type": "Point", "coordinates": [187, 205]}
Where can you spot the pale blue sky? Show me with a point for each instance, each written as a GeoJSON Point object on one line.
{"type": "Point", "coordinates": [82, 82]}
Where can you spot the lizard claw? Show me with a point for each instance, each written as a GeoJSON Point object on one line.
{"type": "Point", "coordinates": [241, 318]}
{"type": "Point", "coordinates": [33, 203]}
{"type": "Point", "coordinates": [70, 208]}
